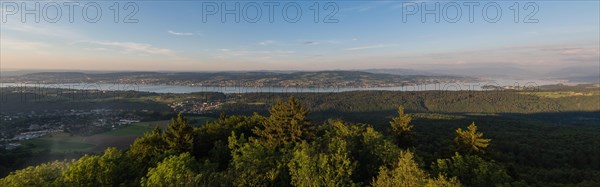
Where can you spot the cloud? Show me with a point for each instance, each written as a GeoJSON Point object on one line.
{"type": "Point", "coordinates": [43, 30]}
{"type": "Point", "coordinates": [366, 47]}
{"type": "Point", "coordinates": [266, 42]}
{"type": "Point", "coordinates": [8, 43]}
{"type": "Point", "coordinates": [311, 43]}
{"type": "Point", "coordinates": [362, 8]}
{"type": "Point", "coordinates": [132, 47]}
{"type": "Point", "coordinates": [574, 50]}
{"type": "Point", "coordinates": [315, 42]}
{"type": "Point", "coordinates": [180, 33]}
{"type": "Point", "coordinates": [253, 55]}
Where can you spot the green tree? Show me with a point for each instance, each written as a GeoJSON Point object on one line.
{"type": "Point", "coordinates": [407, 173]}
{"type": "Point", "coordinates": [208, 135]}
{"type": "Point", "coordinates": [147, 151]}
{"type": "Point", "coordinates": [47, 174]}
{"type": "Point", "coordinates": [402, 129]}
{"type": "Point", "coordinates": [176, 170]}
{"type": "Point", "coordinates": [109, 169]}
{"type": "Point", "coordinates": [179, 135]}
{"type": "Point", "coordinates": [473, 170]}
{"type": "Point", "coordinates": [255, 164]}
{"type": "Point", "coordinates": [287, 123]}
{"type": "Point", "coordinates": [470, 141]}
{"type": "Point", "coordinates": [368, 148]}
{"type": "Point", "coordinates": [312, 166]}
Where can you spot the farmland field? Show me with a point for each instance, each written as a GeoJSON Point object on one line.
{"type": "Point", "coordinates": [121, 138]}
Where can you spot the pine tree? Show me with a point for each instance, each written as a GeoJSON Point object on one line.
{"type": "Point", "coordinates": [179, 135]}
{"type": "Point", "coordinates": [402, 129]}
{"type": "Point", "coordinates": [470, 141]}
{"type": "Point", "coordinates": [287, 123]}
{"type": "Point", "coordinates": [407, 172]}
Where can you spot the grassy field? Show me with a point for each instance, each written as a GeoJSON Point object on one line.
{"type": "Point", "coordinates": [561, 94]}
{"type": "Point", "coordinates": [57, 146]}
{"type": "Point", "coordinates": [120, 138]}
{"type": "Point", "coordinates": [137, 128]}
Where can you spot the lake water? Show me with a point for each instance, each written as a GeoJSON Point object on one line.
{"type": "Point", "coordinates": [528, 84]}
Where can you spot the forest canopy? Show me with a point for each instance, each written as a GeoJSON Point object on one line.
{"type": "Point", "coordinates": [285, 148]}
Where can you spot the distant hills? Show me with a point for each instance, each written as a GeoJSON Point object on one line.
{"type": "Point", "coordinates": [364, 77]}
{"type": "Point", "coordinates": [262, 78]}
{"type": "Point", "coordinates": [582, 74]}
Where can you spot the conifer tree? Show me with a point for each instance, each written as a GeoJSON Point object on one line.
{"type": "Point", "coordinates": [287, 123]}
{"type": "Point", "coordinates": [402, 129]}
{"type": "Point", "coordinates": [407, 172]}
{"type": "Point", "coordinates": [470, 141]}
{"type": "Point", "coordinates": [179, 135]}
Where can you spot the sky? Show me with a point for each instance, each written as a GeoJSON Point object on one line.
{"type": "Point", "coordinates": [187, 35]}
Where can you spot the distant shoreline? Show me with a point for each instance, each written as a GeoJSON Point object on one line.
{"type": "Point", "coordinates": [458, 86]}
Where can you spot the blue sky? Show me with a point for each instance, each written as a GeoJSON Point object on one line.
{"type": "Point", "coordinates": [171, 35]}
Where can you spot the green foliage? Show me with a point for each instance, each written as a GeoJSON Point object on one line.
{"type": "Point", "coordinates": [287, 123]}
{"type": "Point", "coordinates": [318, 165]}
{"type": "Point", "coordinates": [402, 129]}
{"type": "Point", "coordinates": [144, 149]}
{"type": "Point", "coordinates": [147, 151]}
{"type": "Point", "coordinates": [206, 136]}
{"type": "Point", "coordinates": [47, 174]}
{"type": "Point", "coordinates": [470, 141]}
{"type": "Point", "coordinates": [407, 173]}
{"type": "Point", "coordinates": [473, 170]}
{"type": "Point", "coordinates": [177, 170]}
{"type": "Point", "coordinates": [369, 148]}
{"type": "Point", "coordinates": [285, 149]}
{"type": "Point", "coordinates": [179, 135]}
{"type": "Point", "coordinates": [109, 169]}
{"type": "Point", "coordinates": [255, 164]}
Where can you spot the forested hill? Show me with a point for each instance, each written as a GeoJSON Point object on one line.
{"type": "Point", "coordinates": [333, 79]}
{"type": "Point", "coordinates": [505, 101]}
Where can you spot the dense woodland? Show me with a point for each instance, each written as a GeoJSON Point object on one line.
{"type": "Point", "coordinates": [285, 147]}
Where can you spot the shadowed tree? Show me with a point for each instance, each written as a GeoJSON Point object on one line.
{"type": "Point", "coordinates": [147, 151]}
{"type": "Point", "coordinates": [402, 129]}
{"type": "Point", "coordinates": [473, 170]}
{"type": "Point", "coordinates": [470, 141]}
{"type": "Point", "coordinates": [179, 135]}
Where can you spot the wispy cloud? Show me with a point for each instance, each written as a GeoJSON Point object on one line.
{"type": "Point", "coordinates": [317, 42]}
{"type": "Point", "coordinates": [366, 47]}
{"type": "Point", "coordinates": [180, 33]}
{"type": "Point", "coordinates": [41, 30]}
{"type": "Point", "coordinates": [132, 47]}
{"type": "Point", "coordinates": [574, 50]}
{"type": "Point", "coordinates": [253, 55]}
{"type": "Point", "coordinates": [8, 43]}
{"type": "Point", "coordinates": [266, 42]}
